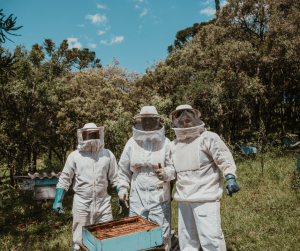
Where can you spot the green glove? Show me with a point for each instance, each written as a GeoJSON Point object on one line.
{"type": "Point", "coordinates": [57, 205]}
{"type": "Point", "coordinates": [120, 203]}
{"type": "Point", "coordinates": [231, 185]}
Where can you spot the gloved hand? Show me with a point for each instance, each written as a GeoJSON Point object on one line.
{"type": "Point", "coordinates": [231, 185]}
{"type": "Point", "coordinates": [123, 195]}
{"type": "Point", "coordinates": [161, 174]}
{"type": "Point", "coordinates": [120, 203]}
{"type": "Point", "coordinates": [59, 196]}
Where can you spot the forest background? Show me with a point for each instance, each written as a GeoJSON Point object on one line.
{"type": "Point", "coordinates": [241, 70]}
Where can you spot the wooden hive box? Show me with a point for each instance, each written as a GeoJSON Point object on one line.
{"type": "Point", "coordinates": [42, 185]}
{"type": "Point", "coordinates": [128, 234]}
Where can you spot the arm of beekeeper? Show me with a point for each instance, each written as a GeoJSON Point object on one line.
{"type": "Point", "coordinates": [220, 153]}
{"type": "Point", "coordinates": [112, 173]}
{"type": "Point", "coordinates": [169, 165]}
{"type": "Point", "coordinates": [67, 175]}
{"type": "Point", "coordinates": [124, 173]}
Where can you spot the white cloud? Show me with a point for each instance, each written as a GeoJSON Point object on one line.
{"type": "Point", "coordinates": [97, 19]}
{"type": "Point", "coordinates": [86, 37]}
{"type": "Point", "coordinates": [117, 40]}
{"type": "Point", "coordinates": [100, 32]}
{"type": "Point", "coordinates": [208, 11]}
{"type": "Point", "coordinates": [136, 6]}
{"type": "Point", "coordinates": [94, 46]}
{"type": "Point", "coordinates": [80, 25]}
{"type": "Point", "coordinates": [73, 43]}
{"type": "Point", "coordinates": [114, 39]}
{"type": "Point", "coordinates": [208, 2]}
{"type": "Point", "coordinates": [101, 6]}
{"type": "Point", "coordinates": [144, 13]}
{"type": "Point", "coordinates": [224, 2]}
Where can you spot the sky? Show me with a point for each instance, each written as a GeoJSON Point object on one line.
{"type": "Point", "coordinates": [136, 32]}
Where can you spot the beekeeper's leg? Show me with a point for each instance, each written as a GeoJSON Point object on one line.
{"type": "Point", "coordinates": [80, 219]}
{"type": "Point", "coordinates": [161, 214]}
{"type": "Point", "coordinates": [208, 221]}
{"type": "Point", "coordinates": [187, 229]}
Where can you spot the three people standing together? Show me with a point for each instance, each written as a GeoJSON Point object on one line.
{"type": "Point", "coordinates": [148, 163]}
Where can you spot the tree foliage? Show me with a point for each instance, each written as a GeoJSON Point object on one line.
{"type": "Point", "coordinates": [7, 25]}
{"type": "Point", "coordinates": [240, 70]}
{"type": "Point", "coordinates": [44, 101]}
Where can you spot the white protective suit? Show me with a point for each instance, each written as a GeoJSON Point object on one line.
{"type": "Point", "coordinates": [149, 196]}
{"type": "Point", "coordinates": [198, 157]}
{"type": "Point", "coordinates": [89, 168]}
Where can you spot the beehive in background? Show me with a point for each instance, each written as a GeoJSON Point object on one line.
{"type": "Point", "coordinates": [43, 185]}
{"type": "Point", "coordinates": [129, 234]}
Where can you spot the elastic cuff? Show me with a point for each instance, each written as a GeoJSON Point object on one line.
{"type": "Point", "coordinates": [229, 177]}
{"type": "Point", "coordinates": [122, 188]}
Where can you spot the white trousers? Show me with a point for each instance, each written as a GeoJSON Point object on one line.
{"type": "Point", "coordinates": [79, 222]}
{"type": "Point", "coordinates": [160, 215]}
{"type": "Point", "coordinates": [199, 224]}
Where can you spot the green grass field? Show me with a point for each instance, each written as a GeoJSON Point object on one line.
{"type": "Point", "coordinates": [263, 215]}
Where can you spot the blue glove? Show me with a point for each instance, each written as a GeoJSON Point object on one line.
{"type": "Point", "coordinates": [231, 185]}
{"type": "Point", "coordinates": [120, 203]}
{"type": "Point", "coordinates": [57, 205]}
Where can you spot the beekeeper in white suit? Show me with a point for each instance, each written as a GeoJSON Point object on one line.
{"type": "Point", "coordinates": [138, 166]}
{"type": "Point", "coordinates": [89, 168]}
{"type": "Point", "coordinates": [199, 156]}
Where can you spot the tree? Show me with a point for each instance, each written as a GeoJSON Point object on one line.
{"type": "Point", "coordinates": [186, 34]}
{"type": "Point", "coordinates": [7, 26]}
{"type": "Point", "coordinates": [32, 95]}
{"type": "Point", "coordinates": [106, 96]}
{"type": "Point", "coordinates": [238, 71]}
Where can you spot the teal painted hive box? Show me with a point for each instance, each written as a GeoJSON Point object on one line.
{"type": "Point", "coordinates": [128, 234]}
{"type": "Point", "coordinates": [43, 185]}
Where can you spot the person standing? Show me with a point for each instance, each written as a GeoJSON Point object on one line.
{"type": "Point", "coordinates": [144, 152]}
{"type": "Point", "coordinates": [89, 168]}
{"type": "Point", "coordinates": [199, 156]}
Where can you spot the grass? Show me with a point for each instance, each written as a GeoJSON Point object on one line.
{"type": "Point", "coordinates": [263, 215]}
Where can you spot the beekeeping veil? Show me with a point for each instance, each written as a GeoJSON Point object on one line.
{"type": "Point", "coordinates": [90, 138]}
{"type": "Point", "coordinates": [148, 119]}
{"type": "Point", "coordinates": [185, 116]}
{"type": "Point", "coordinates": [188, 127]}
{"type": "Point", "coordinates": [148, 127]}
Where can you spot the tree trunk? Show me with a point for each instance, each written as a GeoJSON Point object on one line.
{"type": "Point", "coordinates": [221, 128]}
{"type": "Point", "coordinates": [74, 145]}
{"type": "Point", "coordinates": [217, 7]}
{"type": "Point", "coordinates": [29, 159]}
{"type": "Point", "coordinates": [34, 156]}
{"type": "Point", "coordinates": [11, 172]}
{"type": "Point", "coordinates": [50, 154]}
{"type": "Point", "coordinates": [282, 120]}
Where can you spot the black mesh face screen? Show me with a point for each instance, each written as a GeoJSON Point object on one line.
{"type": "Point", "coordinates": [87, 135]}
{"type": "Point", "coordinates": [148, 123]}
{"type": "Point", "coordinates": [185, 119]}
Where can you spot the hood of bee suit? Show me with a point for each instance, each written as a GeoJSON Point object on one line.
{"type": "Point", "coordinates": [90, 145]}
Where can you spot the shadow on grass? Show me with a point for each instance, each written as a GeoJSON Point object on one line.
{"type": "Point", "coordinates": [25, 222]}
